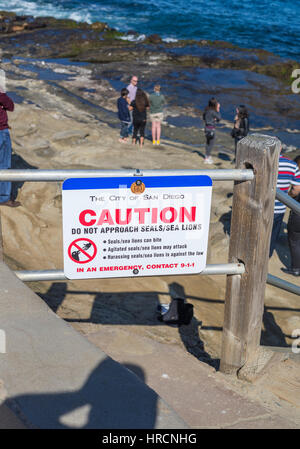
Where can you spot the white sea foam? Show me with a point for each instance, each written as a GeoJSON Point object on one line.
{"type": "Point", "coordinates": [30, 8]}
{"type": "Point", "coordinates": [37, 9]}
{"type": "Point", "coordinates": [80, 17]}
{"type": "Point", "coordinates": [133, 37]}
{"type": "Point", "coordinates": [169, 40]}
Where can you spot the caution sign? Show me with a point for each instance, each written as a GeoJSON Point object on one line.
{"type": "Point", "coordinates": [130, 227]}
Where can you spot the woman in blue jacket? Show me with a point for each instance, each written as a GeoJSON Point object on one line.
{"type": "Point", "coordinates": [123, 114]}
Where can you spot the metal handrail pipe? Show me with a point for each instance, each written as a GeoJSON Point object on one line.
{"type": "Point", "coordinates": [34, 175]}
{"type": "Point", "coordinates": [288, 201]}
{"type": "Point", "coordinates": [284, 285]}
{"type": "Point", "coordinates": [58, 275]}
{"type": "Point", "coordinates": [213, 269]}
{"type": "Point", "coordinates": [42, 275]}
{"type": "Point", "coordinates": [224, 268]}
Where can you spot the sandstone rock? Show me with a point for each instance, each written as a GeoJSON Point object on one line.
{"type": "Point", "coordinates": [154, 39]}
{"type": "Point", "coordinates": [39, 144]}
{"type": "Point", "coordinates": [69, 135]}
{"type": "Point", "coordinates": [99, 26]}
{"type": "Point", "coordinates": [16, 28]}
{"type": "Point", "coordinates": [131, 33]}
{"type": "Point", "coordinates": [35, 24]}
{"type": "Point", "coordinates": [292, 324]}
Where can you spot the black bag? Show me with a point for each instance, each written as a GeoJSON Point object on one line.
{"type": "Point", "coordinates": [209, 134]}
{"type": "Point", "coordinates": [179, 313]}
{"type": "Point", "coordinates": [235, 132]}
{"type": "Point", "coordinates": [242, 130]}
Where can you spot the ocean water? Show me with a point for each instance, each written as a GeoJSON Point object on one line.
{"type": "Point", "coordinates": [272, 25]}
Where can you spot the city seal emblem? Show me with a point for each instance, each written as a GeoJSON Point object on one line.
{"type": "Point", "coordinates": [138, 187]}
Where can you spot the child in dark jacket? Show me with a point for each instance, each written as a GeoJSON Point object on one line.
{"type": "Point", "coordinates": [123, 114]}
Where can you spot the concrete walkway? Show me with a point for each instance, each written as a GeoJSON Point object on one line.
{"type": "Point", "coordinates": [52, 377]}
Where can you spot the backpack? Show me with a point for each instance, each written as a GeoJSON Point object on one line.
{"type": "Point", "coordinates": [178, 312]}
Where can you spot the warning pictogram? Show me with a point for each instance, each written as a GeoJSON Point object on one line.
{"type": "Point", "coordinates": [82, 251]}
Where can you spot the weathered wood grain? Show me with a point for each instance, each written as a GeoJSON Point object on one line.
{"type": "Point", "coordinates": [251, 225]}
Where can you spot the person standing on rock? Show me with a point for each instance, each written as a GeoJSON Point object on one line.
{"type": "Point", "coordinates": [123, 114]}
{"type": "Point", "coordinates": [139, 108]}
{"type": "Point", "coordinates": [241, 126]}
{"type": "Point", "coordinates": [6, 104]}
{"type": "Point", "coordinates": [132, 89]}
{"type": "Point", "coordinates": [211, 116]}
{"type": "Point", "coordinates": [157, 101]}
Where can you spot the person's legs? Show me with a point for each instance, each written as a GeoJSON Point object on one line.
{"type": "Point", "coordinates": [236, 141]}
{"type": "Point", "coordinates": [235, 148]}
{"type": "Point", "coordinates": [153, 132]}
{"type": "Point", "coordinates": [136, 130]}
{"type": "Point", "coordinates": [294, 244]}
{"type": "Point", "coordinates": [275, 232]}
{"type": "Point", "coordinates": [293, 228]}
{"type": "Point", "coordinates": [158, 132]}
{"type": "Point", "coordinates": [5, 162]}
{"type": "Point", "coordinates": [124, 130]}
{"type": "Point", "coordinates": [130, 125]}
{"type": "Point", "coordinates": [210, 140]}
{"type": "Point", "coordinates": [142, 132]}
{"type": "Point", "coordinates": [207, 147]}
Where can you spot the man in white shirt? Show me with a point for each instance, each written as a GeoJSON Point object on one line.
{"type": "Point", "coordinates": [132, 88]}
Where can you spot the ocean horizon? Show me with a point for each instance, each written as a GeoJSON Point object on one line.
{"type": "Point", "coordinates": [268, 25]}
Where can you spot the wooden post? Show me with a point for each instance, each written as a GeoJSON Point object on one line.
{"type": "Point", "coordinates": [251, 227]}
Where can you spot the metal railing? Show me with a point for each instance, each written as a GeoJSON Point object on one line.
{"type": "Point", "coordinates": [35, 175]}
{"type": "Point", "coordinates": [212, 269]}
{"type": "Point", "coordinates": [280, 283]}
{"type": "Point", "coordinates": [58, 275]}
{"type": "Point", "coordinates": [288, 201]}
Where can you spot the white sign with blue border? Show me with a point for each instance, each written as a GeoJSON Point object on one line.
{"type": "Point", "coordinates": [135, 226]}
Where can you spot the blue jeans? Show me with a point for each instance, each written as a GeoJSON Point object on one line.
{"type": "Point", "coordinates": [275, 231]}
{"type": "Point", "coordinates": [124, 129]}
{"type": "Point", "coordinates": [130, 125]}
{"type": "Point", "coordinates": [5, 162]}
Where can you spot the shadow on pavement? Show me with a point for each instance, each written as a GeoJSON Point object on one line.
{"type": "Point", "coordinates": [111, 398]}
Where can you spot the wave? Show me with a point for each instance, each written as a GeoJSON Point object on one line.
{"type": "Point", "coordinates": [34, 8]}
